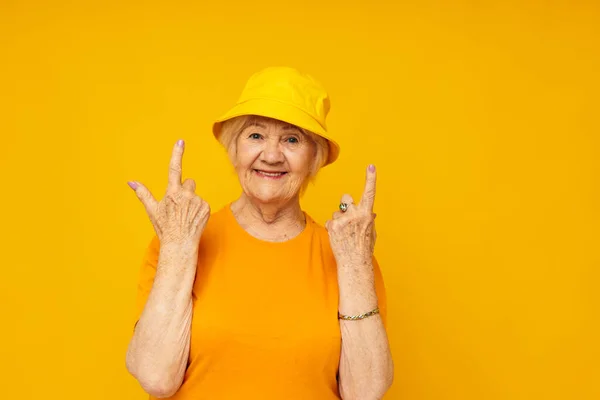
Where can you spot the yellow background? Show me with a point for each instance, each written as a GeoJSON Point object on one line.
{"type": "Point", "coordinates": [482, 119]}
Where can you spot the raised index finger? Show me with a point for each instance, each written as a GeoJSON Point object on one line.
{"type": "Point", "coordinates": [368, 197]}
{"type": "Point", "coordinates": [175, 165]}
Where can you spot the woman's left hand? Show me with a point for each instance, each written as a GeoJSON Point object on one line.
{"type": "Point", "coordinates": [352, 232]}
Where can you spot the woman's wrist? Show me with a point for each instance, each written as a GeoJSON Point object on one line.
{"type": "Point", "coordinates": [358, 317]}
{"type": "Point", "coordinates": [351, 308]}
{"type": "Point", "coordinates": [187, 246]}
{"type": "Point", "coordinates": [178, 257]}
{"type": "Point", "coordinates": [355, 264]}
{"type": "Point", "coordinates": [356, 289]}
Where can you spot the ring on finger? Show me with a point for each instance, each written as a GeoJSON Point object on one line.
{"type": "Point", "coordinates": [343, 207]}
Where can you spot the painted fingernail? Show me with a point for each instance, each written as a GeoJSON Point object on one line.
{"type": "Point", "coordinates": [132, 185]}
{"type": "Point", "coordinates": [180, 143]}
{"type": "Point", "coordinates": [372, 168]}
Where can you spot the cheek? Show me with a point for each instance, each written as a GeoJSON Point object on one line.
{"type": "Point", "coordinates": [245, 156]}
{"type": "Point", "coordinates": [300, 162]}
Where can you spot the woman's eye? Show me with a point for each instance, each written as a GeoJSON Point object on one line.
{"type": "Point", "coordinates": [255, 135]}
{"type": "Point", "coordinates": [292, 140]}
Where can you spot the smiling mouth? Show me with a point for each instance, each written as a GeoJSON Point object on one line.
{"type": "Point", "coordinates": [269, 174]}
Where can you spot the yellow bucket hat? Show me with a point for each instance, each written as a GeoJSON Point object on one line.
{"type": "Point", "coordinates": [285, 94]}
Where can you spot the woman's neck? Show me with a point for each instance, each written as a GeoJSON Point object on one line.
{"type": "Point", "coordinates": [272, 222]}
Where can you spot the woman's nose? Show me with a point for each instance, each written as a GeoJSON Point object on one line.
{"type": "Point", "coordinates": [272, 152]}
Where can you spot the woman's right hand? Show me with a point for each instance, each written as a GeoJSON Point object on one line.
{"type": "Point", "coordinates": [181, 216]}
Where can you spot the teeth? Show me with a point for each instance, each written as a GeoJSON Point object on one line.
{"type": "Point", "coordinates": [271, 173]}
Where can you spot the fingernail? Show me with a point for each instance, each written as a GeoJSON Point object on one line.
{"type": "Point", "coordinates": [372, 168]}
{"type": "Point", "coordinates": [180, 143]}
{"type": "Point", "coordinates": [132, 185]}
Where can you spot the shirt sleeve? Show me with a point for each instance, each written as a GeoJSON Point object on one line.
{"type": "Point", "coordinates": [380, 290]}
{"type": "Point", "coordinates": [146, 277]}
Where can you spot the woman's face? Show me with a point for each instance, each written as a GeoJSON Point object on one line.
{"type": "Point", "coordinates": [273, 160]}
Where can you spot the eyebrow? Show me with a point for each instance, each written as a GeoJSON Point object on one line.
{"type": "Point", "coordinates": [292, 128]}
{"type": "Point", "coordinates": [285, 128]}
{"type": "Point", "coordinates": [255, 124]}
{"type": "Point", "coordinates": [295, 128]}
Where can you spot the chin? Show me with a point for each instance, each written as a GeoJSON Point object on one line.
{"type": "Point", "coordinates": [267, 191]}
{"type": "Point", "coordinates": [267, 196]}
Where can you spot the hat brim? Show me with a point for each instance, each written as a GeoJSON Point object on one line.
{"type": "Point", "coordinates": [280, 111]}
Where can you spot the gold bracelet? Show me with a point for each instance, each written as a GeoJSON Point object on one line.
{"type": "Point", "coordinates": [360, 316]}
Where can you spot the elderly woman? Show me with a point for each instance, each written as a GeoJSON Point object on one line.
{"type": "Point", "coordinates": [257, 300]}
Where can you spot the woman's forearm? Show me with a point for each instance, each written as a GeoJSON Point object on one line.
{"type": "Point", "coordinates": [366, 369]}
{"type": "Point", "coordinates": [158, 352]}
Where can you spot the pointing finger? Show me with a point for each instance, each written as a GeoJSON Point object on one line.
{"type": "Point", "coordinates": [368, 197]}
{"type": "Point", "coordinates": [145, 197]}
{"type": "Point", "coordinates": [175, 165]}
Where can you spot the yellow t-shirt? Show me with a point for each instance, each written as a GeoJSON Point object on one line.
{"type": "Point", "coordinates": [264, 322]}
